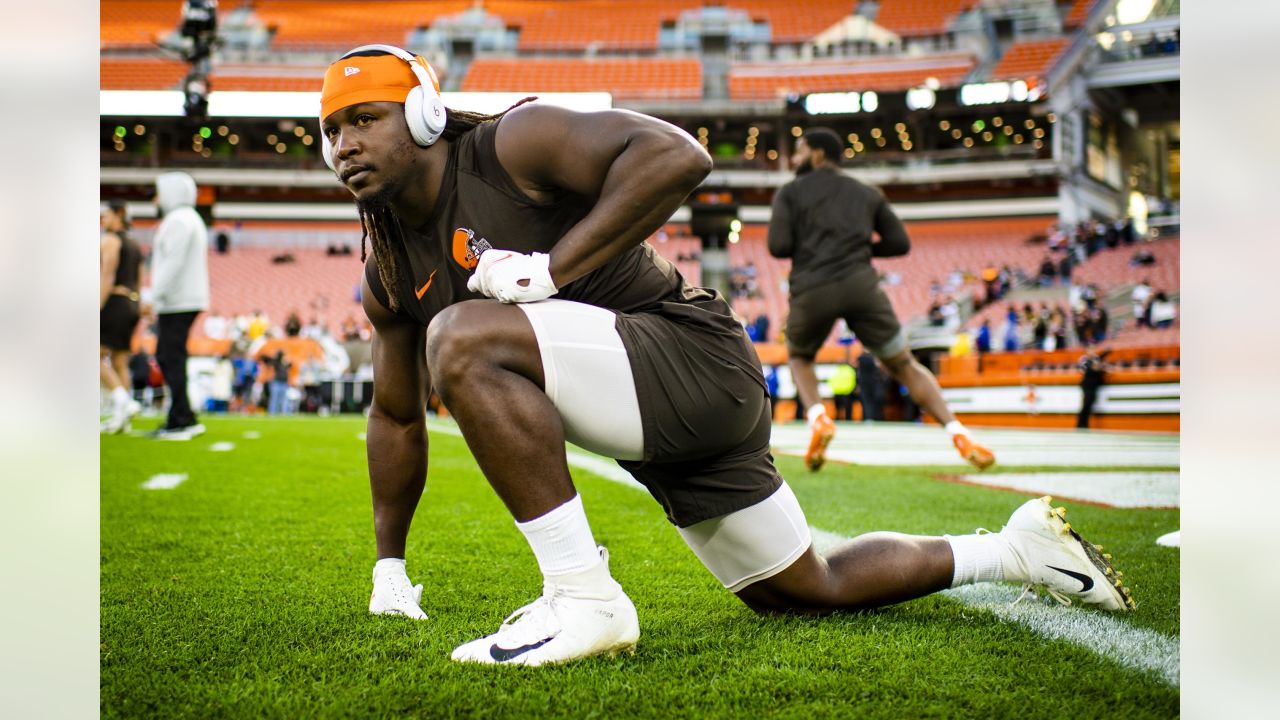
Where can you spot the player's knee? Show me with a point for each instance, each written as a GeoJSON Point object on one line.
{"type": "Point", "coordinates": [453, 343]}
{"type": "Point", "coordinates": [898, 364]}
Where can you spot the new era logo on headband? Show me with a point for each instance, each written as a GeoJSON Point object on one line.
{"type": "Point", "coordinates": [349, 71]}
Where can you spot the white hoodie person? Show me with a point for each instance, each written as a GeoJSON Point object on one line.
{"type": "Point", "coordinates": [179, 254]}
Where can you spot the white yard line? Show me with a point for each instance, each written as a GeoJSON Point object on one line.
{"type": "Point", "coordinates": [222, 447]}
{"type": "Point", "coordinates": [164, 481]}
{"type": "Point", "coordinates": [1105, 635]}
{"type": "Point", "coordinates": [1116, 489]}
{"type": "Point", "coordinates": [911, 444]}
{"type": "Point", "coordinates": [1173, 539]}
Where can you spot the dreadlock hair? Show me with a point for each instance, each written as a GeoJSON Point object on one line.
{"type": "Point", "coordinates": [379, 223]}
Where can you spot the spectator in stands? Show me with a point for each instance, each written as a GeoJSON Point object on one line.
{"type": "Point", "coordinates": [1010, 331]}
{"type": "Point", "coordinates": [350, 329]}
{"type": "Point", "coordinates": [1163, 311]}
{"type": "Point", "coordinates": [1048, 271]}
{"type": "Point", "coordinates": [222, 387]}
{"type": "Point", "coordinates": [982, 341]}
{"type": "Point", "coordinates": [215, 325]}
{"type": "Point", "coordinates": [990, 283]}
{"type": "Point", "coordinates": [1065, 265]}
{"type": "Point", "coordinates": [258, 325]}
{"type": "Point", "coordinates": [293, 325]}
{"type": "Point", "coordinates": [1141, 298]}
{"type": "Point", "coordinates": [1040, 325]}
{"type": "Point", "coordinates": [831, 225]}
{"type": "Point", "coordinates": [1099, 320]}
{"type": "Point", "coordinates": [278, 387]}
{"type": "Point", "coordinates": [180, 291]}
{"type": "Point", "coordinates": [1142, 257]}
{"type": "Point", "coordinates": [1057, 329]}
{"type": "Point", "coordinates": [1128, 234]}
{"type": "Point", "coordinates": [761, 324]}
{"type": "Point", "coordinates": [120, 271]}
{"type": "Point", "coordinates": [222, 242]}
{"type": "Point", "coordinates": [870, 386]}
{"type": "Point", "coordinates": [246, 375]}
{"type": "Point", "coordinates": [842, 384]}
{"type": "Point", "coordinates": [1093, 367]}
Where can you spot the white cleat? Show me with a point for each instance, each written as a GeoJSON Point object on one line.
{"type": "Point", "coordinates": [395, 594]}
{"type": "Point", "coordinates": [1057, 559]}
{"type": "Point", "coordinates": [557, 628]}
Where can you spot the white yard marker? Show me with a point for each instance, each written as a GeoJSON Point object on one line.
{"type": "Point", "coordinates": [222, 447]}
{"type": "Point", "coordinates": [1173, 539]}
{"type": "Point", "coordinates": [1105, 635]}
{"type": "Point", "coordinates": [252, 434]}
{"type": "Point", "coordinates": [361, 436]}
{"type": "Point", "coordinates": [164, 481]}
{"type": "Point", "coordinates": [1115, 489]}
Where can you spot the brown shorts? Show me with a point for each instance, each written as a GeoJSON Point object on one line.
{"type": "Point", "coordinates": [116, 322]}
{"type": "Point", "coordinates": [859, 299]}
{"type": "Point", "coordinates": [705, 411]}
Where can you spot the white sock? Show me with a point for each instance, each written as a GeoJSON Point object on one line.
{"type": "Point", "coordinates": [981, 558]}
{"type": "Point", "coordinates": [816, 411]}
{"type": "Point", "coordinates": [388, 566]}
{"type": "Point", "coordinates": [561, 540]}
{"type": "Point", "coordinates": [955, 428]}
{"type": "Point", "coordinates": [119, 397]}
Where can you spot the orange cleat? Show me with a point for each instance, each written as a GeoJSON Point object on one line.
{"type": "Point", "coordinates": [823, 431]}
{"type": "Point", "coordinates": [977, 455]}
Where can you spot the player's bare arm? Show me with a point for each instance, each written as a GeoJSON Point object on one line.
{"type": "Point", "coordinates": [637, 168]}
{"type": "Point", "coordinates": [109, 255]}
{"type": "Point", "coordinates": [397, 437]}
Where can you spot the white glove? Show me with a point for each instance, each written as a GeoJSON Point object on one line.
{"type": "Point", "coordinates": [512, 277]}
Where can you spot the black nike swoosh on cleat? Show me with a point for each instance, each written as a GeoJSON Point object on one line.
{"type": "Point", "coordinates": [1085, 580]}
{"type": "Point", "coordinates": [503, 654]}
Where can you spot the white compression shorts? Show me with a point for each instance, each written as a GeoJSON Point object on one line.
{"type": "Point", "coordinates": [754, 543]}
{"type": "Point", "coordinates": [588, 378]}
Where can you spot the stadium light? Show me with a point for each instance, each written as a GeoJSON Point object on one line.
{"type": "Point", "coordinates": [921, 98]}
{"type": "Point", "coordinates": [845, 103]}
{"type": "Point", "coordinates": [997, 92]}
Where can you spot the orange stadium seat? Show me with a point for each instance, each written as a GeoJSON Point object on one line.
{"type": "Point", "coordinates": [141, 74]}
{"type": "Point", "coordinates": [625, 78]}
{"type": "Point", "coordinates": [137, 23]}
{"type": "Point", "coordinates": [329, 24]}
{"type": "Point", "coordinates": [1078, 13]}
{"type": "Point", "coordinates": [1028, 59]}
{"type": "Point", "coordinates": [767, 81]}
{"type": "Point", "coordinates": [919, 17]}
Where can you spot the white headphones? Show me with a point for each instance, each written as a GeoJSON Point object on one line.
{"type": "Point", "coordinates": [424, 111]}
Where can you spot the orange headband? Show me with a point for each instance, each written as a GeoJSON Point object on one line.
{"type": "Point", "coordinates": [373, 78]}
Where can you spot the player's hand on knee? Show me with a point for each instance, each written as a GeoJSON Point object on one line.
{"type": "Point", "coordinates": [513, 277]}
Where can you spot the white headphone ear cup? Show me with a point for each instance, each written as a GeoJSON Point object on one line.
{"type": "Point", "coordinates": [434, 115]}
{"type": "Point", "coordinates": [415, 116]}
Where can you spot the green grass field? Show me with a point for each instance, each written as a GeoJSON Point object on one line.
{"type": "Point", "coordinates": [243, 592]}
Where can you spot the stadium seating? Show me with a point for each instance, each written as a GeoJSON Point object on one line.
{"type": "Point", "coordinates": [631, 78]}
{"type": "Point", "coordinates": [136, 23]}
{"type": "Point", "coordinates": [1078, 13]}
{"type": "Point", "coordinates": [300, 24]}
{"type": "Point", "coordinates": [1028, 59]}
{"type": "Point", "coordinates": [141, 74]}
{"type": "Point", "coordinates": [911, 18]}
{"type": "Point", "coordinates": [768, 81]}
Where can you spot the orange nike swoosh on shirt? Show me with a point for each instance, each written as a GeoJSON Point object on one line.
{"type": "Point", "coordinates": [423, 290]}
